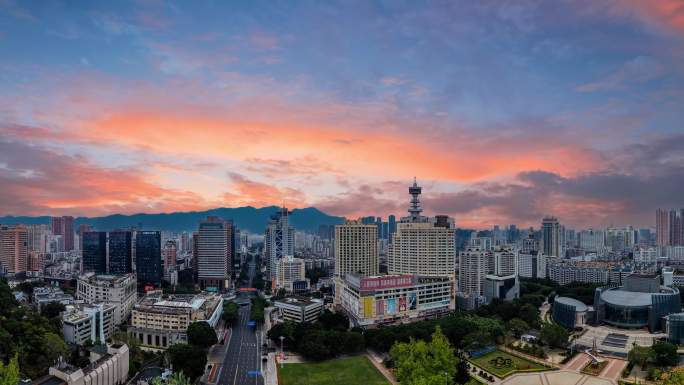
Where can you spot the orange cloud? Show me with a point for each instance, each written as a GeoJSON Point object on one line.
{"type": "Point", "coordinates": [664, 14]}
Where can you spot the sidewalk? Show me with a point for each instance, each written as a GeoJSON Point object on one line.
{"type": "Point", "coordinates": [377, 362]}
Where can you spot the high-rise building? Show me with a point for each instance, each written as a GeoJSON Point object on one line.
{"type": "Point", "coordinates": [472, 269]}
{"type": "Point", "coordinates": [64, 226]}
{"type": "Point", "coordinates": [120, 252]}
{"type": "Point", "coordinates": [290, 270]}
{"type": "Point", "coordinates": [505, 261]}
{"type": "Point", "coordinates": [148, 268]}
{"type": "Point", "coordinates": [551, 242]}
{"type": "Point", "coordinates": [278, 240]}
{"type": "Point", "coordinates": [591, 240]}
{"type": "Point", "coordinates": [213, 245]}
{"type": "Point", "coordinates": [392, 226]}
{"type": "Point", "coordinates": [117, 290]}
{"type": "Point", "coordinates": [170, 254]}
{"type": "Point", "coordinates": [39, 238]}
{"type": "Point", "coordinates": [420, 247]}
{"type": "Point", "coordinates": [94, 253]}
{"type": "Point", "coordinates": [662, 228]}
{"type": "Point", "coordinates": [356, 249]}
{"type": "Point", "coordinates": [13, 249]}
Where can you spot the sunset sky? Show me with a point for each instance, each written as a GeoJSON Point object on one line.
{"type": "Point", "coordinates": [504, 111]}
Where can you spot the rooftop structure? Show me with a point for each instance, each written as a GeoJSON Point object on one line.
{"type": "Point", "coordinates": [299, 309]}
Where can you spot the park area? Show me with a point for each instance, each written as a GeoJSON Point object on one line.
{"type": "Point", "coordinates": [502, 364]}
{"type": "Point", "coordinates": [343, 371]}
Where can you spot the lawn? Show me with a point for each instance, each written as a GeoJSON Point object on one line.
{"type": "Point", "coordinates": [504, 367]}
{"type": "Point", "coordinates": [343, 371]}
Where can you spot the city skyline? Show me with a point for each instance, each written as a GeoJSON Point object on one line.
{"type": "Point", "coordinates": [505, 113]}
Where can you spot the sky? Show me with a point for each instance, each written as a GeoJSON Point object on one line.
{"type": "Point", "coordinates": [504, 111]}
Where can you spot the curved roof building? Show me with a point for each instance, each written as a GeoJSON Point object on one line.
{"type": "Point", "coordinates": [569, 312]}
{"type": "Point", "coordinates": [641, 302]}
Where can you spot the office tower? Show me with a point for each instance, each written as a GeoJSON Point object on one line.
{"type": "Point", "coordinates": [230, 248]}
{"type": "Point", "coordinates": [290, 270]}
{"type": "Point", "coordinates": [13, 249]}
{"type": "Point", "coordinates": [505, 261]}
{"type": "Point", "coordinates": [662, 228]}
{"type": "Point", "coordinates": [472, 268]}
{"type": "Point", "coordinates": [278, 240]}
{"type": "Point", "coordinates": [148, 268]}
{"type": "Point", "coordinates": [213, 248]}
{"type": "Point", "coordinates": [392, 226]}
{"type": "Point", "coordinates": [170, 254]}
{"type": "Point", "coordinates": [551, 237]}
{"type": "Point", "coordinates": [82, 228]}
{"type": "Point", "coordinates": [356, 249]}
{"type": "Point", "coordinates": [64, 226]}
{"type": "Point", "coordinates": [120, 252]}
{"type": "Point", "coordinates": [484, 243]}
{"type": "Point", "coordinates": [591, 240]}
{"type": "Point", "coordinates": [195, 255]}
{"type": "Point", "coordinates": [620, 239]}
{"type": "Point", "coordinates": [419, 247]}
{"type": "Point", "coordinates": [39, 238]}
{"type": "Point", "coordinates": [675, 228]}
{"type": "Point", "coordinates": [530, 245]}
{"type": "Point", "coordinates": [94, 253]}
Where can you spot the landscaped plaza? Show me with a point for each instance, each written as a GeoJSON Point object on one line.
{"type": "Point", "coordinates": [343, 371]}
{"type": "Point", "coordinates": [503, 364]}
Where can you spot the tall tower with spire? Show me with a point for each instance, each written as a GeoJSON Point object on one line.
{"type": "Point", "coordinates": [415, 209]}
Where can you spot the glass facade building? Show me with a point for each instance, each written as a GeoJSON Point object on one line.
{"type": "Point", "coordinates": [120, 252]}
{"type": "Point", "coordinates": [148, 264]}
{"type": "Point", "coordinates": [94, 253]}
{"type": "Point", "coordinates": [675, 328]}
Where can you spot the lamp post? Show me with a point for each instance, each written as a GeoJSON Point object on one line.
{"type": "Point", "coordinates": [282, 351]}
{"type": "Point", "coordinates": [446, 378]}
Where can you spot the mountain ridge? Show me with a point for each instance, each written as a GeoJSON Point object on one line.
{"type": "Point", "coordinates": [247, 218]}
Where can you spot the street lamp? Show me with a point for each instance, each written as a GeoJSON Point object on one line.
{"type": "Point", "coordinates": [282, 351]}
{"type": "Point", "coordinates": [446, 378]}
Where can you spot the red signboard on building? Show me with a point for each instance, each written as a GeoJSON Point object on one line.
{"type": "Point", "coordinates": [386, 282]}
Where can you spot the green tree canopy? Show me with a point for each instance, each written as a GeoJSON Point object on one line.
{"type": "Point", "coordinates": [230, 312]}
{"type": "Point", "coordinates": [9, 374]}
{"type": "Point", "coordinates": [188, 359]}
{"type": "Point", "coordinates": [201, 334]}
{"type": "Point", "coordinates": [665, 353]}
{"type": "Point", "coordinates": [425, 363]}
{"type": "Point", "coordinates": [554, 335]}
{"type": "Point", "coordinates": [638, 355]}
{"type": "Point", "coordinates": [517, 327]}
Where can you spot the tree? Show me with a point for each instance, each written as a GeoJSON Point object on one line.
{"type": "Point", "coordinates": [201, 334]}
{"type": "Point", "coordinates": [424, 363]}
{"type": "Point", "coordinates": [554, 335]}
{"type": "Point", "coordinates": [665, 353]}
{"type": "Point", "coordinates": [674, 377]}
{"type": "Point", "coordinates": [52, 309]}
{"type": "Point", "coordinates": [230, 312]}
{"type": "Point", "coordinates": [9, 374]}
{"type": "Point", "coordinates": [333, 321]}
{"type": "Point", "coordinates": [517, 327]}
{"type": "Point", "coordinates": [187, 359]}
{"type": "Point", "coordinates": [638, 355]}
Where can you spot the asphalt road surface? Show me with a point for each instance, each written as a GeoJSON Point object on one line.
{"type": "Point", "coordinates": [243, 354]}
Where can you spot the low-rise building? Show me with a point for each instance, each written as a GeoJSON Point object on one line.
{"type": "Point", "coordinates": [88, 322]}
{"type": "Point", "coordinates": [118, 290]}
{"type": "Point", "coordinates": [160, 321]}
{"type": "Point", "coordinates": [501, 287]}
{"type": "Point", "coordinates": [388, 299]}
{"type": "Point", "coordinates": [45, 295]}
{"type": "Point", "coordinates": [299, 309]}
{"type": "Point", "coordinates": [108, 366]}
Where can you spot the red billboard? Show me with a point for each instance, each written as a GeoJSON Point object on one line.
{"type": "Point", "coordinates": [386, 282]}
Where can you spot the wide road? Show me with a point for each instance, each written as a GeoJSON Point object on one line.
{"type": "Point", "coordinates": [244, 351]}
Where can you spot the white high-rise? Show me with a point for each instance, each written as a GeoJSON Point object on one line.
{"type": "Point", "coordinates": [472, 269]}
{"type": "Point", "coordinates": [356, 249]}
{"type": "Point", "coordinates": [213, 247]}
{"type": "Point", "coordinates": [505, 261]}
{"type": "Point", "coordinates": [421, 245]}
{"type": "Point", "coordinates": [591, 240]}
{"type": "Point", "coordinates": [289, 271]}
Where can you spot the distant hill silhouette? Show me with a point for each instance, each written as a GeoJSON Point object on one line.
{"type": "Point", "coordinates": [247, 218]}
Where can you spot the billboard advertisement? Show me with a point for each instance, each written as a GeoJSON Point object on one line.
{"type": "Point", "coordinates": [412, 301]}
{"type": "Point", "coordinates": [391, 305]}
{"type": "Point", "coordinates": [368, 307]}
{"type": "Point", "coordinates": [380, 307]}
